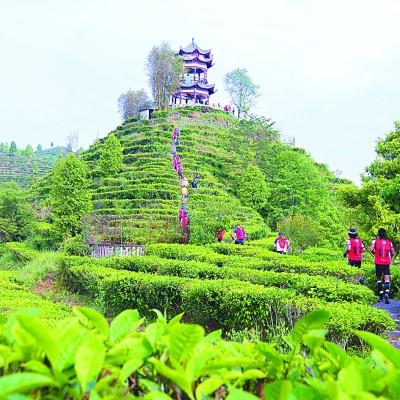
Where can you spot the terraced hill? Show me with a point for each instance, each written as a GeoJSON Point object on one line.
{"type": "Point", "coordinates": [22, 169]}
{"type": "Point", "coordinates": [147, 190]}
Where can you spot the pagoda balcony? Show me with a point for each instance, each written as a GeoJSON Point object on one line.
{"type": "Point", "coordinates": [193, 80]}
{"type": "Point", "coordinates": [196, 65]}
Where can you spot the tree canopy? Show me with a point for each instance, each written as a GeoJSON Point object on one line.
{"type": "Point", "coordinates": [241, 89]}
{"type": "Point", "coordinates": [164, 68]}
{"type": "Point", "coordinates": [132, 102]}
{"type": "Point", "coordinates": [70, 196]}
{"type": "Point", "coordinates": [111, 156]}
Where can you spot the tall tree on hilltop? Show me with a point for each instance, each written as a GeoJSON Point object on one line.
{"type": "Point", "coordinates": [164, 68]}
{"type": "Point", "coordinates": [13, 148]}
{"type": "Point", "coordinates": [132, 102]}
{"type": "Point", "coordinates": [111, 156]}
{"type": "Point", "coordinates": [70, 196]}
{"type": "Point", "coordinates": [241, 89]}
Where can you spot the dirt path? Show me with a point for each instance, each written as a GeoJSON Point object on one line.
{"type": "Point", "coordinates": [393, 309]}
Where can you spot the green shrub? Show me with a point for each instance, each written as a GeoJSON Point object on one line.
{"type": "Point", "coordinates": [44, 237]}
{"type": "Point", "coordinates": [253, 257]}
{"type": "Point", "coordinates": [226, 304]}
{"type": "Point", "coordinates": [76, 246]}
{"type": "Point", "coordinates": [302, 231]}
{"type": "Point", "coordinates": [90, 358]}
{"type": "Point", "coordinates": [325, 288]}
{"type": "Point", "coordinates": [15, 297]}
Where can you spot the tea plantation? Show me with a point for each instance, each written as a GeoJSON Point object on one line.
{"type": "Point", "coordinates": [196, 321]}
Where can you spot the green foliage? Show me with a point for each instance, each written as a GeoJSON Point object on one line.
{"type": "Point", "coordinates": [111, 156]}
{"type": "Point", "coordinates": [16, 214]}
{"type": "Point", "coordinates": [163, 70]}
{"type": "Point", "coordinates": [298, 185]}
{"type": "Point", "coordinates": [70, 196]}
{"type": "Point", "coordinates": [377, 202]}
{"type": "Point", "coordinates": [16, 297]}
{"type": "Point", "coordinates": [13, 148]}
{"type": "Point", "coordinates": [228, 304]}
{"type": "Point", "coordinates": [44, 236]}
{"type": "Point", "coordinates": [253, 191]}
{"type": "Point", "coordinates": [325, 288]}
{"type": "Point", "coordinates": [132, 102]}
{"type": "Point", "coordinates": [76, 246]}
{"type": "Point", "coordinates": [241, 89]}
{"type": "Point", "coordinates": [302, 231]}
{"type": "Point", "coordinates": [171, 359]}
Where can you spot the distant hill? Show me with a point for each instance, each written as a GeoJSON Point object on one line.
{"type": "Point", "coordinates": [22, 168]}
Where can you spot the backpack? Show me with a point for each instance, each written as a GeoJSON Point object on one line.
{"type": "Point", "coordinates": [383, 251]}
{"type": "Point", "coordinates": [355, 251]}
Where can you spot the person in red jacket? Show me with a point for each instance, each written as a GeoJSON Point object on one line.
{"type": "Point", "coordinates": [383, 251]}
{"type": "Point", "coordinates": [354, 249]}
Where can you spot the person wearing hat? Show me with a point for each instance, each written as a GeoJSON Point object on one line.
{"type": "Point", "coordinates": [384, 253]}
{"type": "Point", "coordinates": [281, 244]}
{"type": "Point", "coordinates": [354, 249]}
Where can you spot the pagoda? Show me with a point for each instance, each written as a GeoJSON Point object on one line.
{"type": "Point", "coordinates": [193, 84]}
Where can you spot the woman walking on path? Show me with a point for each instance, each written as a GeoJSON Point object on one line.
{"type": "Point", "coordinates": [354, 249]}
{"type": "Point", "coordinates": [383, 252]}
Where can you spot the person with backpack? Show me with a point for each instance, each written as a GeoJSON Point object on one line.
{"type": "Point", "coordinates": [354, 249]}
{"type": "Point", "coordinates": [383, 252]}
{"type": "Point", "coordinates": [175, 136]}
{"type": "Point", "coordinates": [281, 244]}
{"type": "Point", "coordinates": [220, 234]}
{"type": "Point", "coordinates": [239, 234]}
{"type": "Point", "coordinates": [179, 170]}
{"type": "Point", "coordinates": [175, 161]}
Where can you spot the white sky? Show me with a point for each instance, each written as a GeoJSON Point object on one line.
{"type": "Point", "coordinates": [329, 71]}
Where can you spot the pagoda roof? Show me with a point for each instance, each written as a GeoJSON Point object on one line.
{"type": "Point", "coordinates": [196, 84]}
{"type": "Point", "coordinates": [199, 58]}
{"type": "Point", "coordinates": [192, 47]}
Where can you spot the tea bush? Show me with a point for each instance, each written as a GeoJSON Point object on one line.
{"type": "Point", "coordinates": [89, 358]}
{"type": "Point", "coordinates": [325, 288]}
{"type": "Point", "coordinates": [226, 304]}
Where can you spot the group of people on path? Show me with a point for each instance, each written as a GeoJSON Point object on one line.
{"type": "Point", "coordinates": [382, 250]}
{"type": "Point", "coordinates": [183, 214]}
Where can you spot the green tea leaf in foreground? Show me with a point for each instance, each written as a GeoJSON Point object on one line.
{"type": "Point", "coordinates": [23, 382]}
{"type": "Point", "coordinates": [89, 361]}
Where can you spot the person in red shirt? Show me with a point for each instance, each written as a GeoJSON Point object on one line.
{"type": "Point", "coordinates": [220, 234]}
{"type": "Point", "coordinates": [383, 252]}
{"type": "Point", "coordinates": [354, 249]}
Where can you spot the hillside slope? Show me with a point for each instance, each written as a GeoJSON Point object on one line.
{"type": "Point", "coordinates": [147, 190]}
{"type": "Point", "coordinates": [23, 169]}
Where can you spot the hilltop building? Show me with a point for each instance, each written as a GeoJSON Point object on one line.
{"type": "Point", "coordinates": [193, 86]}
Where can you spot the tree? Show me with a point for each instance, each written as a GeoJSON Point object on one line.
{"type": "Point", "coordinates": [28, 151]}
{"type": "Point", "coordinates": [378, 201]}
{"type": "Point", "coordinates": [132, 102]}
{"type": "Point", "coordinates": [70, 197]}
{"type": "Point", "coordinates": [111, 156]}
{"type": "Point", "coordinates": [39, 149]}
{"type": "Point", "coordinates": [16, 214]}
{"type": "Point", "coordinates": [303, 232]}
{"type": "Point", "coordinates": [253, 191]}
{"type": "Point", "coordinates": [13, 148]}
{"type": "Point", "coordinates": [298, 184]}
{"type": "Point", "coordinates": [241, 89]}
{"type": "Point", "coordinates": [163, 70]}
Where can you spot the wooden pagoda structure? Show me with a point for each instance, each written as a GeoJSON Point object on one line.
{"type": "Point", "coordinates": [193, 86]}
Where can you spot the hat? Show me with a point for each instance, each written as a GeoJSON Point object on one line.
{"type": "Point", "coordinates": [352, 231]}
{"type": "Point", "coordinates": [280, 233]}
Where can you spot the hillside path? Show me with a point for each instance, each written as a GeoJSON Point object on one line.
{"type": "Point", "coordinates": [393, 309]}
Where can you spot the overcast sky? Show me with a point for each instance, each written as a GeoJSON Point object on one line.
{"type": "Point", "coordinates": [329, 71]}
